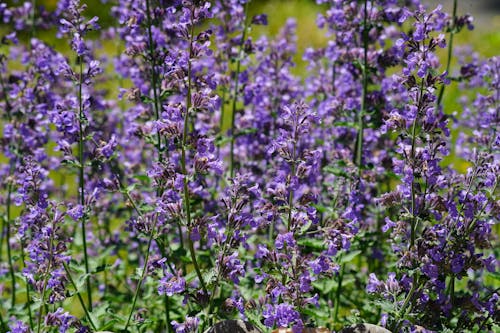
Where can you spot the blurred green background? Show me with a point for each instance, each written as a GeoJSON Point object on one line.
{"type": "Point", "coordinates": [484, 39]}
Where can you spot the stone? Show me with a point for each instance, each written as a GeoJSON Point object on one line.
{"type": "Point", "coordinates": [233, 326]}
{"type": "Point", "coordinates": [364, 328]}
{"type": "Point", "coordinates": [304, 330]}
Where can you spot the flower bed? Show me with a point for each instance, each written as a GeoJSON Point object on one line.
{"type": "Point", "coordinates": [187, 176]}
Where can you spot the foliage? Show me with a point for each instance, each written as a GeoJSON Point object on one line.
{"type": "Point", "coordinates": [193, 174]}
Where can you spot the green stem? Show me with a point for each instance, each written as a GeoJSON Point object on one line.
{"type": "Point", "coordinates": [81, 161]}
{"type": "Point", "coordinates": [412, 162]}
{"type": "Point", "coordinates": [405, 305]}
{"type": "Point", "coordinates": [292, 175]}
{"type": "Point", "coordinates": [146, 261]}
{"type": "Point", "coordinates": [450, 50]}
{"type": "Point", "coordinates": [82, 303]}
{"type": "Point", "coordinates": [338, 293]}
{"type": "Point", "coordinates": [9, 254]}
{"type": "Point", "coordinates": [473, 222]}
{"type": "Point", "coordinates": [480, 329]}
{"type": "Point", "coordinates": [6, 222]}
{"type": "Point", "coordinates": [33, 12]}
{"type": "Point", "coordinates": [361, 124]}
{"type": "Point", "coordinates": [28, 297]}
{"type": "Point", "coordinates": [44, 287]}
{"type": "Point", "coordinates": [154, 80]}
{"type": "Point", "coordinates": [143, 274]}
{"type": "Point", "coordinates": [187, 198]}
{"type": "Point", "coordinates": [3, 326]}
{"type": "Point", "coordinates": [235, 94]}
{"type": "Point", "coordinates": [452, 290]}
{"type": "Point", "coordinates": [167, 313]}
{"type": "Point", "coordinates": [161, 245]}
{"type": "Point", "coordinates": [196, 266]}
{"type": "Point", "coordinates": [229, 232]}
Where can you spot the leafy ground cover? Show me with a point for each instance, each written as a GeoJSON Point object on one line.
{"type": "Point", "coordinates": [186, 163]}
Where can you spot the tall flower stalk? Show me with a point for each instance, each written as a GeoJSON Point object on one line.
{"type": "Point", "coordinates": [336, 204]}
{"type": "Point", "coordinates": [364, 77]}
{"type": "Point", "coordinates": [75, 24]}
{"type": "Point", "coordinates": [236, 89]}
{"type": "Point", "coordinates": [185, 133]}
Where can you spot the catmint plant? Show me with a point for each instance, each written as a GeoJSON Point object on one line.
{"type": "Point", "coordinates": [177, 171]}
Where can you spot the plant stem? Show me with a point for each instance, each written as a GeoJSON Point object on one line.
{"type": "Point", "coordinates": [480, 329]}
{"type": "Point", "coordinates": [2, 324]}
{"type": "Point", "coordinates": [9, 254]}
{"type": "Point", "coordinates": [154, 80]}
{"type": "Point", "coordinates": [361, 125]}
{"type": "Point", "coordinates": [45, 281]}
{"type": "Point", "coordinates": [450, 50]}
{"type": "Point", "coordinates": [82, 303]}
{"type": "Point", "coordinates": [229, 232]}
{"type": "Point", "coordinates": [146, 261]}
{"type": "Point", "coordinates": [412, 162]}
{"type": "Point", "coordinates": [406, 303]}
{"type": "Point", "coordinates": [33, 12]}
{"type": "Point", "coordinates": [185, 134]}
{"type": "Point", "coordinates": [28, 297]}
{"type": "Point", "coordinates": [292, 175]}
{"type": "Point", "coordinates": [81, 161]}
{"type": "Point", "coordinates": [235, 94]}
{"type": "Point", "coordinates": [337, 294]}
{"type": "Point", "coordinates": [6, 221]}
{"type": "Point", "coordinates": [167, 312]}
{"type": "Point", "coordinates": [161, 246]}
{"type": "Point", "coordinates": [452, 290]}
{"type": "Point", "coordinates": [143, 274]}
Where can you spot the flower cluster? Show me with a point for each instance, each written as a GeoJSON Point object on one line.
{"type": "Point", "coordinates": [175, 168]}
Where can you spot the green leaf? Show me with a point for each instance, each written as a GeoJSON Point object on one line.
{"type": "Point", "coordinates": [325, 285]}
{"type": "Point", "coordinates": [71, 163]}
{"type": "Point", "coordinates": [165, 94]}
{"type": "Point", "coordinates": [340, 172]}
{"type": "Point", "coordinates": [345, 124]}
{"type": "Point", "coordinates": [143, 178]}
{"type": "Point", "coordinates": [349, 256]}
{"type": "Point", "coordinates": [320, 208]}
{"type": "Point", "coordinates": [312, 243]}
{"type": "Point", "coordinates": [81, 282]}
{"type": "Point", "coordinates": [255, 319]}
{"type": "Point", "coordinates": [221, 140]}
{"type": "Point", "coordinates": [317, 313]}
{"type": "Point", "coordinates": [131, 188]}
{"type": "Point", "coordinates": [209, 276]}
{"type": "Point", "coordinates": [147, 100]}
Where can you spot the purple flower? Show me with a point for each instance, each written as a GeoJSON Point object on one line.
{"type": "Point", "coordinates": [281, 315]}
{"type": "Point", "coordinates": [388, 224]}
{"type": "Point", "coordinates": [283, 240]}
{"type": "Point", "coordinates": [320, 265]}
{"type": "Point", "coordinates": [171, 284]}
{"type": "Point", "coordinates": [18, 327]}
{"type": "Point", "coordinates": [190, 325]}
{"type": "Point", "coordinates": [430, 270]}
{"type": "Point", "coordinates": [60, 319]}
{"type": "Point", "coordinates": [75, 212]}
{"type": "Point", "coordinates": [457, 264]}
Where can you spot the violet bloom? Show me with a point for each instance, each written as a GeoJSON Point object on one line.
{"type": "Point", "coordinates": [18, 327]}
{"type": "Point", "coordinates": [190, 325]}
{"type": "Point", "coordinates": [171, 284]}
{"type": "Point", "coordinates": [281, 315]}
